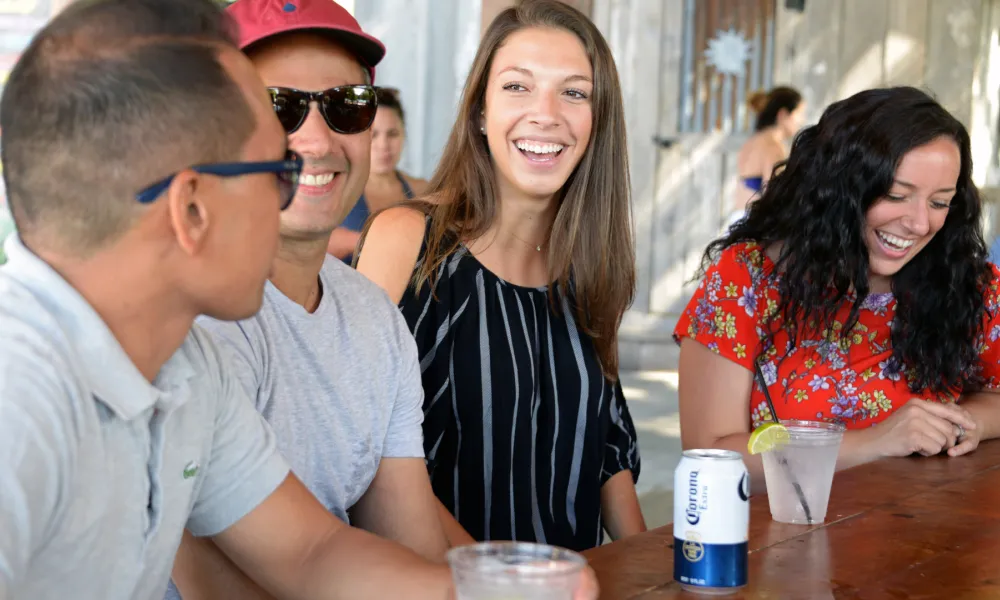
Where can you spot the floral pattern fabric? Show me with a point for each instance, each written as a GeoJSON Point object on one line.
{"type": "Point", "coordinates": [843, 377]}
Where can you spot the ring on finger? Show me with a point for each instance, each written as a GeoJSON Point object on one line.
{"type": "Point", "coordinates": [961, 432]}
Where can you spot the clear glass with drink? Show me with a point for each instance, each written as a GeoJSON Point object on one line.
{"type": "Point", "coordinates": [515, 571]}
{"type": "Point", "coordinates": [799, 473]}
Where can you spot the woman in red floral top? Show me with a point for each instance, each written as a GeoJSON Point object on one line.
{"type": "Point", "coordinates": [858, 282]}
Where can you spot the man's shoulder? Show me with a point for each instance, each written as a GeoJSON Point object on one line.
{"type": "Point", "coordinates": [22, 310]}
{"type": "Point", "coordinates": [365, 313]}
{"type": "Point", "coordinates": [355, 291]}
{"type": "Point", "coordinates": [40, 377]}
{"type": "Point", "coordinates": [37, 374]}
{"type": "Point", "coordinates": [30, 334]}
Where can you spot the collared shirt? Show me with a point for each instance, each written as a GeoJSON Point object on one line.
{"type": "Point", "coordinates": [100, 471]}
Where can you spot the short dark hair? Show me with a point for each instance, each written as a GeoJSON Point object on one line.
{"type": "Point", "coordinates": [109, 97]}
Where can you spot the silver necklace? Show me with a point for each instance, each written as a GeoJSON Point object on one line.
{"type": "Point", "coordinates": [538, 247]}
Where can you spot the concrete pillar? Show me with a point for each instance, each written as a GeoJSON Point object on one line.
{"type": "Point", "coordinates": [491, 8]}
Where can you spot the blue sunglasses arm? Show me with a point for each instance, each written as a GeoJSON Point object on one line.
{"type": "Point", "coordinates": [153, 192]}
{"type": "Point", "coordinates": [223, 170]}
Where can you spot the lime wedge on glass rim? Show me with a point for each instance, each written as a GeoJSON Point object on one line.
{"type": "Point", "coordinates": [767, 437]}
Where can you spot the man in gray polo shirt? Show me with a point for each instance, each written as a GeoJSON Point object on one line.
{"type": "Point", "coordinates": [119, 423]}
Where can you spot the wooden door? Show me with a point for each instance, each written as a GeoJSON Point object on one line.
{"type": "Point", "coordinates": [687, 68]}
{"type": "Point", "coordinates": [726, 54]}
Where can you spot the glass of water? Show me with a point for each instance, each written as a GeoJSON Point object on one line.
{"type": "Point", "coordinates": [799, 474]}
{"type": "Point", "coordinates": [515, 571]}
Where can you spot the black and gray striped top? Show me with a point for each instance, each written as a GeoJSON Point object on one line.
{"type": "Point", "coordinates": [521, 429]}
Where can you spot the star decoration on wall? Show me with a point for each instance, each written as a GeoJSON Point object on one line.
{"type": "Point", "coordinates": [728, 52]}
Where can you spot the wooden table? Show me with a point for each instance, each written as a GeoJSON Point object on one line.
{"type": "Point", "coordinates": [898, 528]}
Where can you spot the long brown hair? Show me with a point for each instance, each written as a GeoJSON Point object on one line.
{"type": "Point", "coordinates": [591, 252]}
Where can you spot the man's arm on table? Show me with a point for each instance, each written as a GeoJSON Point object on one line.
{"type": "Point", "coordinates": [390, 508]}
{"type": "Point", "coordinates": [203, 572]}
{"type": "Point", "coordinates": [453, 530]}
{"type": "Point", "coordinates": [294, 548]}
{"type": "Point", "coordinates": [400, 505]}
{"type": "Point", "coordinates": [269, 524]}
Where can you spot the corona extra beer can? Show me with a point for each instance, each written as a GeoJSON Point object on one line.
{"type": "Point", "coordinates": [711, 521]}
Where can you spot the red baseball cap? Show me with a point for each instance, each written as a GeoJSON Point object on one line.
{"type": "Point", "coordinates": [260, 19]}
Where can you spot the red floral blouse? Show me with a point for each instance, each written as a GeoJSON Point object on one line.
{"type": "Point", "coordinates": [849, 379]}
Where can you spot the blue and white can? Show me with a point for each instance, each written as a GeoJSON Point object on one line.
{"type": "Point", "coordinates": [711, 521]}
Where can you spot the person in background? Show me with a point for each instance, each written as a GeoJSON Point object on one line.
{"type": "Point", "coordinates": [146, 172]}
{"type": "Point", "coordinates": [858, 286]}
{"type": "Point", "coordinates": [352, 435]}
{"type": "Point", "coordinates": [514, 278]}
{"type": "Point", "coordinates": [780, 114]}
{"type": "Point", "coordinates": [386, 185]}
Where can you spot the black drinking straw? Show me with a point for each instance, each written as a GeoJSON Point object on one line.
{"type": "Point", "coordinates": [781, 459]}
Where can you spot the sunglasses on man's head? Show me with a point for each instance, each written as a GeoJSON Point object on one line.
{"type": "Point", "coordinates": [287, 172]}
{"type": "Point", "coordinates": [347, 109]}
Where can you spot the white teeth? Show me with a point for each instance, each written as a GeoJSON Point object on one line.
{"type": "Point", "coordinates": [896, 242]}
{"type": "Point", "coordinates": [537, 147]}
{"type": "Point", "coordinates": [317, 180]}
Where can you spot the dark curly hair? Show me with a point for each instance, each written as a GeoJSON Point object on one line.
{"type": "Point", "coordinates": [814, 207]}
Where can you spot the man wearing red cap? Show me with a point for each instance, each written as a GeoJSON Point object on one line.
{"type": "Point", "coordinates": [329, 358]}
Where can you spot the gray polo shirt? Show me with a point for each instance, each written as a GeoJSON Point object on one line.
{"type": "Point", "coordinates": [100, 471]}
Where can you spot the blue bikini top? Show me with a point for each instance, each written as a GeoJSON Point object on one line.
{"type": "Point", "coordinates": [754, 183]}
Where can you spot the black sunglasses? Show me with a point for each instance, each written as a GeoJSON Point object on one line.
{"type": "Point", "coordinates": [347, 109]}
{"type": "Point", "coordinates": [287, 171]}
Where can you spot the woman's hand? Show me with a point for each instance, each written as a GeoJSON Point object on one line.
{"type": "Point", "coordinates": [968, 439]}
{"type": "Point", "coordinates": [926, 428]}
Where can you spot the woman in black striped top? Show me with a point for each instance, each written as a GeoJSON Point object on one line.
{"type": "Point", "coordinates": [513, 277]}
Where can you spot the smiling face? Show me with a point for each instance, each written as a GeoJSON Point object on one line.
{"type": "Point", "coordinates": [336, 165]}
{"type": "Point", "coordinates": [902, 223]}
{"type": "Point", "coordinates": [538, 114]}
